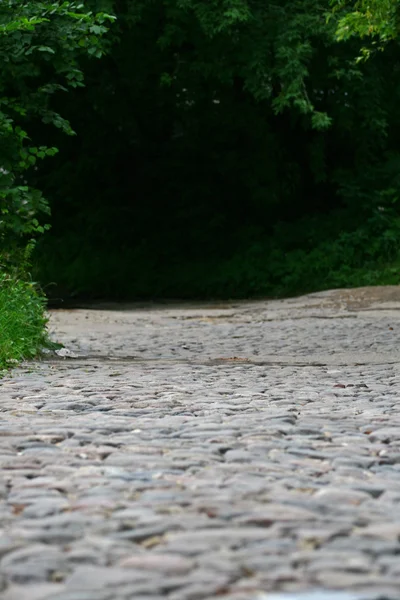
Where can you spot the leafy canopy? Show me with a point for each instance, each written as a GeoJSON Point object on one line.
{"type": "Point", "coordinates": [41, 47]}
{"type": "Point", "coordinates": [377, 20]}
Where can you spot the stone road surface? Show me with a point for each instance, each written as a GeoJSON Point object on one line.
{"type": "Point", "coordinates": [239, 451]}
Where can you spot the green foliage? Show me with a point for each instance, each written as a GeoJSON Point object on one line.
{"type": "Point", "coordinates": [377, 21]}
{"type": "Point", "coordinates": [367, 18]}
{"type": "Point", "coordinates": [41, 46]}
{"type": "Point", "coordinates": [41, 49]}
{"type": "Point", "coordinates": [22, 321]}
{"type": "Point", "coordinates": [310, 254]}
{"type": "Point", "coordinates": [231, 148]}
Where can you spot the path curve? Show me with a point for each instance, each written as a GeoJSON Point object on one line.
{"type": "Point", "coordinates": [237, 451]}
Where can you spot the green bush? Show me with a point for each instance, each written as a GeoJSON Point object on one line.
{"type": "Point", "coordinates": [41, 46]}
{"type": "Point", "coordinates": [22, 321]}
{"type": "Point", "coordinates": [340, 249]}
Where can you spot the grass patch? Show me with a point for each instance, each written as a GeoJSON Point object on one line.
{"type": "Point", "coordinates": [22, 321]}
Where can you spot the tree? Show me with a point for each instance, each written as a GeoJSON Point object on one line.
{"type": "Point", "coordinates": [41, 48]}
{"type": "Point", "coordinates": [377, 19]}
{"type": "Point", "coordinates": [208, 125]}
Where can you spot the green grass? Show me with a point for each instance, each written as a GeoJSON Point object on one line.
{"type": "Point", "coordinates": [22, 321]}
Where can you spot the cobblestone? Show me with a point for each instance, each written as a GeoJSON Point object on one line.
{"type": "Point", "coordinates": [249, 451]}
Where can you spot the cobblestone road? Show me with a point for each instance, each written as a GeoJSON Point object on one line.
{"type": "Point", "coordinates": [246, 451]}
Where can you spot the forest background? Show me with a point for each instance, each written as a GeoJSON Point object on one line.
{"type": "Point", "coordinates": [195, 149]}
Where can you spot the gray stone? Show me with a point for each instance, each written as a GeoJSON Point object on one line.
{"type": "Point", "coordinates": [165, 563]}
{"type": "Point", "coordinates": [94, 577]}
{"type": "Point", "coordinates": [33, 563]}
{"type": "Point", "coordinates": [384, 531]}
{"type": "Point", "coordinates": [41, 591]}
{"type": "Point", "coordinates": [312, 595]}
{"type": "Point", "coordinates": [341, 496]}
{"type": "Point", "coordinates": [244, 450]}
{"type": "Point", "coordinates": [45, 507]}
{"type": "Point", "coordinates": [385, 434]}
